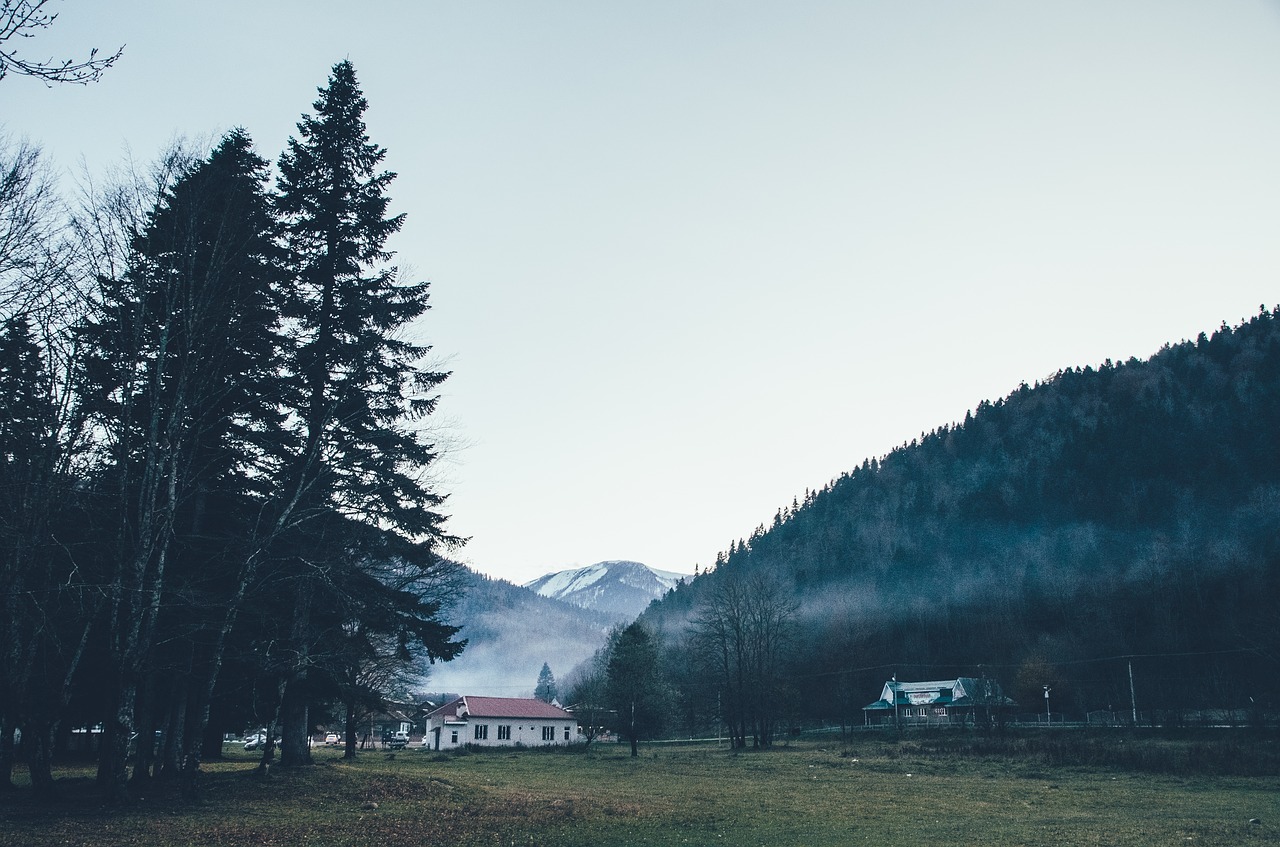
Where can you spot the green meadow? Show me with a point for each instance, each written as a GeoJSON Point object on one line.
{"type": "Point", "coordinates": [913, 790]}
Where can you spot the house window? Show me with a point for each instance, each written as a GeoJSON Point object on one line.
{"type": "Point", "coordinates": [504, 733]}
{"type": "Point", "coordinates": [566, 733]}
{"type": "Point", "coordinates": [482, 731]}
{"type": "Point", "coordinates": [454, 737]}
{"type": "Point", "coordinates": [548, 733]}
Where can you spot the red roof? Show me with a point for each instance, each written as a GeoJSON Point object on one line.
{"type": "Point", "coordinates": [504, 707]}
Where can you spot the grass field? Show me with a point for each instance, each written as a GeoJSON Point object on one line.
{"type": "Point", "coordinates": [888, 791]}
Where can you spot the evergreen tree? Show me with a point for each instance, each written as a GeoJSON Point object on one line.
{"type": "Point", "coordinates": [634, 687]}
{"type": "Point", "coordinates": [183, 378]}
{"type": "Point", "coordinates": [545, 690]}
{"type": "Point", "coordinates": [360, 390]}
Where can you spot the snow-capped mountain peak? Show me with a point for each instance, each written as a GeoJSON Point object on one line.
{"type": "Point", "coordinates": [617, 587]}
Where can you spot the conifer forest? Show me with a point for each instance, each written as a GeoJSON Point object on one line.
{"type": "Point", "coordinates": [214, 506]}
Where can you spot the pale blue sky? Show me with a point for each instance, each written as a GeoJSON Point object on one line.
{"type": "Point", "coordinates": [689, 258]}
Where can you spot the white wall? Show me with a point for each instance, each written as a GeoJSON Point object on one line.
{"type": "Point", "coordinates": [524, 731]}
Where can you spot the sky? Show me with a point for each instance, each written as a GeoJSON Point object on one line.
{"type": "Point", "coordinates": [690, 258]}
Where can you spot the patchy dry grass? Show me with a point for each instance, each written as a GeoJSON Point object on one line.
{"type": "Point", "coordinates": [810, 793]}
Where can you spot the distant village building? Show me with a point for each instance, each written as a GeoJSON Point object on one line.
{"type": "Point", "coordinates": [952, 701]}
{"type": "Point", "coordinates": [499, 722]}
{"type": "Point", "coordinates": [388, 728]}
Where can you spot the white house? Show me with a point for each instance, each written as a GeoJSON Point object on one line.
{"type": "Point", "coordinates": [499, 722]}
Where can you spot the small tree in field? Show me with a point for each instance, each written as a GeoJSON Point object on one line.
{"type": "Point", "coordinates": [634, 687]}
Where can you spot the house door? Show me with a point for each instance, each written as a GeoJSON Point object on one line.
{"type": "Point", "coordinates": [436, 733]}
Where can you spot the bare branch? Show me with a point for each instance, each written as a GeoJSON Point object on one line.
{"type": "Point", "coordinates": [33, 253]}
{"type": "Point", "coordinates": [22, 19]}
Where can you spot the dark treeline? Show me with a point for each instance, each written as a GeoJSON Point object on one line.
{"type": "Point", "coordinates": [1128, 514]}
{"type": "Point", "coordinates": [213, 508]}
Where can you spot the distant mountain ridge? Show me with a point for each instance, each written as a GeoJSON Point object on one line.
{"type": "Point", "coordinates": [621, 589]}
{"type": "Point", "coordinates": [511, 631]}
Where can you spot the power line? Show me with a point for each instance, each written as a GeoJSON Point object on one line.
{"type": "Point", "coordinates": [1123, 656]}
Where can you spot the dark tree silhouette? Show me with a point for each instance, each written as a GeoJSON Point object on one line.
{"type": "Point", "coordinates": [637, 696]}
{"type": "Point", "coordinates": [184, 382]}
{"type": "Point", "coordinates": [360, 388]}
{"type": "Point", "coordinates": [742, 627]}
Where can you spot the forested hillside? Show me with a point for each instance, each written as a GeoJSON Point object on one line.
{"type": "Point", "coordinates": [1127, 513]}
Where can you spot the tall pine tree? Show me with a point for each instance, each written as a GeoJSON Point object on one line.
{"type": "Point", "coordinates": [360, 388]}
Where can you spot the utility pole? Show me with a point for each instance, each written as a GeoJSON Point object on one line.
{"type": "Point", "coordinates": [1133, 701]}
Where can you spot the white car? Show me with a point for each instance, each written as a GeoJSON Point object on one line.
{"type": "Point", "coordinates": [331, 740]}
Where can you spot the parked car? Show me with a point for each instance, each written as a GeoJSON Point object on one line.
{"type": "Point", "coordinates": [253, 742]}
{"type": "Point", "coordinates": [331, 739]}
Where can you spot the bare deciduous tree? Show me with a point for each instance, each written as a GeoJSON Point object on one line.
{"type": "Point", "coordinates": [586, 691]}
{"type": "Point", "coordinates": [741, 631]}
{"type": "Point", "coordinates": [34, 257]}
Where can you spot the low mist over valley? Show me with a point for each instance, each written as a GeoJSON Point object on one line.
{"type": "Point", "coordinates": [511, 632]}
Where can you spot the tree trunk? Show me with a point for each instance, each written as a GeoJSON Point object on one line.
{"type": "Point", "coordinates": [269, 745]}
{"type": "Point", "coordinates": [294, 749]}
{"type": "Point", "coordinates": [175, 736]}
{"type": "Point", "coordinates": [113, 770]}
{"type": "Point", "coordinates": [7, 752]}
{"type": "Point", "coordinates": [349, 732]}
{"type": "Point", "coordinates": [40, 759]}
{"type": "Point", "coordinates": [144, 751]}
{"type": "Point", "coordinates": [198, 740]}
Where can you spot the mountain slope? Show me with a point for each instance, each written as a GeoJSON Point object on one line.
{"type": "Point", "coordinates": [618, 588]}
{"type": "Point", "coordinates": [511, 631]}
{"type": "Point", "coordinates": [1131, 510]}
